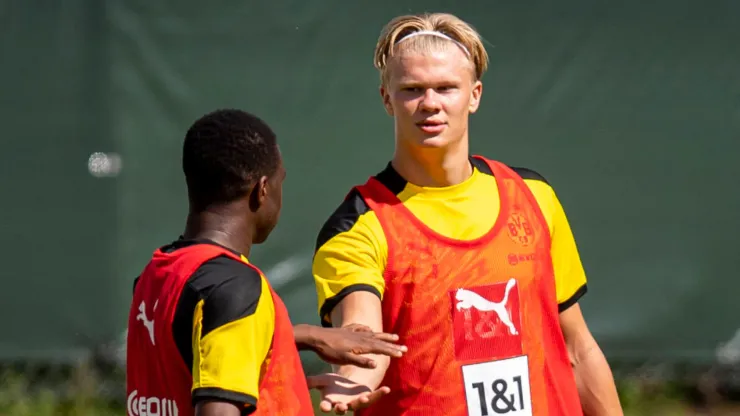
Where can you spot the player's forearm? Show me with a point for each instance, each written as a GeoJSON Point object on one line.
{"type": "Point", "coordinates": [305, 337]}
{"type": "Point", "coordinates": [362, 308]}
{"type": "Point", "coordinates": [366, 376]}
{"type": "Point", "coordinates": [595, 382]}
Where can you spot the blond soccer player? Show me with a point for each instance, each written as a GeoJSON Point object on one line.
{"type": "Point", "coordinates": [470, 261]}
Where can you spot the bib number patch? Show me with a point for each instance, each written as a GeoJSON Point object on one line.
{"type": "Point", "coordinates": [498, 387]}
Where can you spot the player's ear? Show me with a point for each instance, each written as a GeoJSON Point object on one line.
{"type": "Point", "coordinates": [386, 100]}
{"type": "Point", "coordinates": [258, 194]}
{"type": "Point", "coordinates": [475, 95]}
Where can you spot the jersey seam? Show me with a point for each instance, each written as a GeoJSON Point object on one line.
{"type": "Point", "coordinates": [330, 303]}
{"type": "Point", "coordinates": [573, 299]}
{"type": "Point", "coordinates": [214, 392]}
{"type": "Point", "coordinates": [216, 287]}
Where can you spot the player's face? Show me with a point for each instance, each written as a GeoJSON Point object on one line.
{"type": "Point", "coordinates": [430, 95]}
{"type": "Point", "coordinates": [272, 203]}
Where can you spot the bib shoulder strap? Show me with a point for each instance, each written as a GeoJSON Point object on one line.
{"type": "Point", "coordinates": [502, 171]}
{"type": "Point", "coordinates": [376, 194]}
{"type": "Point", "coordinates": [494, 167]}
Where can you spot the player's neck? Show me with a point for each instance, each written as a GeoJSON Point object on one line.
{"type": "Point", "coordinates": [433, 167]}
{"type": "Point", "coordinates": [220, 226]}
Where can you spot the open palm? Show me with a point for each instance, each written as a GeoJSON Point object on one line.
{"type": "Point", "coordinates": [340, 394]}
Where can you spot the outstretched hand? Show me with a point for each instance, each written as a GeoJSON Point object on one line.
{"type": "Point", "coordinates": [346, 345]}
{"type": "Point", "coordinates": [340, 394]}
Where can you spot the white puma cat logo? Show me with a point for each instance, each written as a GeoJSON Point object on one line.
{"type": "Point", "coordinates": [147, 323]}
{"type": "Point", "coordinates": [467, 299]}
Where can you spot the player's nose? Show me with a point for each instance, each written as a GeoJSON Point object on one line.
{"type": "Point", "coordinates": [430, 101]}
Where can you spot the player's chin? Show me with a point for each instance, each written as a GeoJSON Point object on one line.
{"type": "Point", "coordinates": [438, 141]}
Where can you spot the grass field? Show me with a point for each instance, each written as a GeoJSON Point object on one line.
{"type": "Point", "coordinates": [79, 395]}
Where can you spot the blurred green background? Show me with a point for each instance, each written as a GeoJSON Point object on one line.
{"type": "Point", "coordinates": [630, 109]}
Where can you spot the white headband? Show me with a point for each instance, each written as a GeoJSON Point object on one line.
{"type": "Point", "coordinates": [437, 34]}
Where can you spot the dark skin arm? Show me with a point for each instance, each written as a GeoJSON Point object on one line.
{"type": "Point", "coordinates": [215, 408]}
{"type": "Point", "coordinates": [340, 346]}
{"type": "Point", "coordinates": [348, 344]}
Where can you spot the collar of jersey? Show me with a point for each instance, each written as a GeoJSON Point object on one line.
{"type": "Point", "coordinates": [444, 192]}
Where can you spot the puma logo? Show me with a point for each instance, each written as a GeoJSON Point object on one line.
{"type": "Point", "coordinates": [147, 323]}
{"type": "Point", "coordinates": [468, 299]}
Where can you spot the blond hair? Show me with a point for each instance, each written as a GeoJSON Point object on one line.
{"type": "Point", "coordinates": [449, 26]}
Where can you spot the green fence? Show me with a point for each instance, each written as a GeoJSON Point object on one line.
{"type": "Point", "coordinates": [630, 109]}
